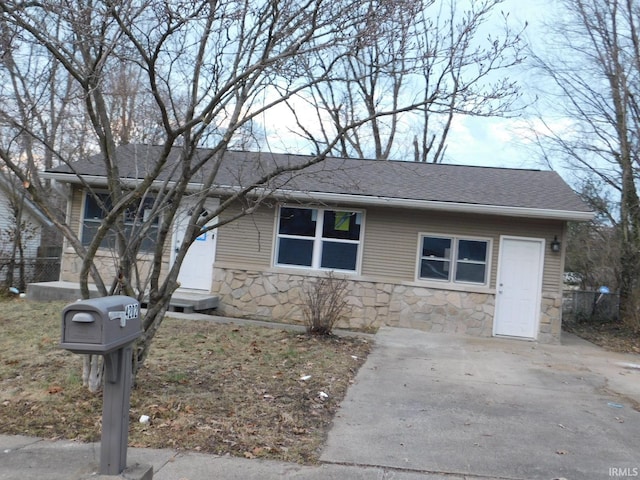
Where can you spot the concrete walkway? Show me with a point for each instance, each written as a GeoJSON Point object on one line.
{"type": "Point", "coordinates": [437, 403]}
{"type": "Point", "coordinates": [26, 458]}
{"type": "Point", "coordinates": [429, 407]}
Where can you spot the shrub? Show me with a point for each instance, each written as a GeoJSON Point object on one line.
{"type": "Point", "coordinates": [323, 303]}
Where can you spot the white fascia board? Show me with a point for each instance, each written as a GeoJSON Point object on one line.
{"type": "Point", "coordinates": [452, 207]}
{"type": "Point", "coordinates": [93, 180]}
{"type": "Point", "coordinates": [101, 181]}
{"type": "Point", "coordinates": [362, 200]}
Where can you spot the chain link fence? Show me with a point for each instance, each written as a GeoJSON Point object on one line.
{"type": "Point", "coordinates": [17, 273]}
{"type": "Point", "coordinates": [587, 305]}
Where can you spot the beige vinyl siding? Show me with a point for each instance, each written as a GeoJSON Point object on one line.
{"type": "Point", "coordinates": [553, 264]}
{"type": "Point", "coordinates": [390, 244]}
{"type": "Point", "coordinates": [397, 232]}
{"type": "Point", "coordinates": [552, 275]}
{"type": "Point", "coordinates": [248, 240]}
{"type": "Point", "coordinates": [77, 209]}
{"type": "Point", "coordinates": [69, 261]}
{"type": "Point", "coordinates": [392, 237]}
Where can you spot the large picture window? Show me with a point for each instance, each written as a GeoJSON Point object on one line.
{"type": "Point", "coordinates": [318, 238]}
{"type": "Point", "coordinates": [95, 209]}
{"type": "Point", "coordinates": [454, 260]}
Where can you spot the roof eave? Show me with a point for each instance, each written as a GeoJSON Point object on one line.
{"type": "Point", "coordinates": [452, 207]}
{"type": "Point", "coordinates": [362, 200]}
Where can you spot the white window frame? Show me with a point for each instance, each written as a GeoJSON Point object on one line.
{"type": "Point", "coordinates": [318, 239]}
{"type": "Point", "coordinates": [453, 260]}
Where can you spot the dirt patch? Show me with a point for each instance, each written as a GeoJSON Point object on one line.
{"type": "Point", "coordinates": [612, 336]}
{"type": "Point", "coordinates": [208, 387]}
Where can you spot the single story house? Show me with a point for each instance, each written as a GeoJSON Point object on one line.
{"type": "Point", "coordinates": [438, 247]}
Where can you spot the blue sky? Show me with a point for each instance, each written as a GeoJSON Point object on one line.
{"type": "Point", "coordinates": [506, 142]}
{"type": "Point", "coordinates": [498, 142]}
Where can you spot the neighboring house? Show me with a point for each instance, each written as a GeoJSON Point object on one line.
{"type": "Point", "coordinates": [21, 227]}
{"type": "Point", "coordinates": [436, 247]}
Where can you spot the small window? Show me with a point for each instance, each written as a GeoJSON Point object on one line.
{"type": "Point", "coordinates": [436, 258]}
{"type": "Point", "coordinates": [318, 238]}
{"type": "Point", "coordinates": [472, 261]}
{"type": "Point", "coordinates": [454, 260]}
{"type": "Point", "coordinates": [96, 208]}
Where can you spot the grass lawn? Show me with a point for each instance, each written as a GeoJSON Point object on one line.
{"type": "Point", "coordinates": [207, 387]}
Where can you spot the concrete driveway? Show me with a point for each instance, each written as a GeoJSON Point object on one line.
{"type": "Point", "coordinates": [492, 408]}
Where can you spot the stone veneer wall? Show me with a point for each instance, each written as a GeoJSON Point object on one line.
{"type": "Point", "coordinates": [278, 296]}
{"type": "Point", "coordinates": [550, 318]}
{"type": "Point", "coordinates": [71, 264]}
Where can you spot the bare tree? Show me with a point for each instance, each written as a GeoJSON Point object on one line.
{"type": "Point", "coordinates": [422, 63]}
{"type": "Point", "coordinates": [593, 248]}
{"type": "Point", "coordinates": [594, 65]}
{"type": "Point", "coordinates": [131, 106]}
{"type": "Point", "coordinates": [206, 70]}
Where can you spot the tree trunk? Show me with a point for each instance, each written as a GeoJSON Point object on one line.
{"type": "Point", "coordinates": [92, 370]}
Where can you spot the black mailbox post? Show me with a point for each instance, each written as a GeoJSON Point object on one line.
{"type": "Point", "coordinates": [107, 326]}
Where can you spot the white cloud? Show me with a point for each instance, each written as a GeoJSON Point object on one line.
{"type": "Point", "coordinates": [501, 142]}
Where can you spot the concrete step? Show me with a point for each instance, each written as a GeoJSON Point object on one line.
{"type": "Point", "coordinates": [51, 291]}
{"type": "Point", "coordinates": [186, 301]}
{"type": "Point", "coordinates": [191, 301]}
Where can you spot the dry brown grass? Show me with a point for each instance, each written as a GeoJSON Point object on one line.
{"type": "Point", "coordinates": [207, 387]}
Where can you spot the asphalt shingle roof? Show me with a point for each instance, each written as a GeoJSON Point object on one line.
{"type": "Point", "coordinates": [530, 189]}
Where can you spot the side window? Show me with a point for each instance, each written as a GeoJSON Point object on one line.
{"type": "Point", "coordinates": [453, 260]}
{"type": "Point", "coordinates": [471, 264]}
{"type": "Point", "coordinates": [436, 258]}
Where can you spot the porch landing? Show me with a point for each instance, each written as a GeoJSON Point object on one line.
{"type": "Point", "coordinates": [187, 301]}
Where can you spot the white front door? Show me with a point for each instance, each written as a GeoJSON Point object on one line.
{"type": "Point", "coordinates": [519, 287]}
{"type": "Point", "coordinates": [196, 271]}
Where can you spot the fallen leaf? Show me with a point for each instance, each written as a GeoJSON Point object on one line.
{"type": "Point", "coordinates": [287, 417]}
{"type": "Point", "coordinates": [54, 389]}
